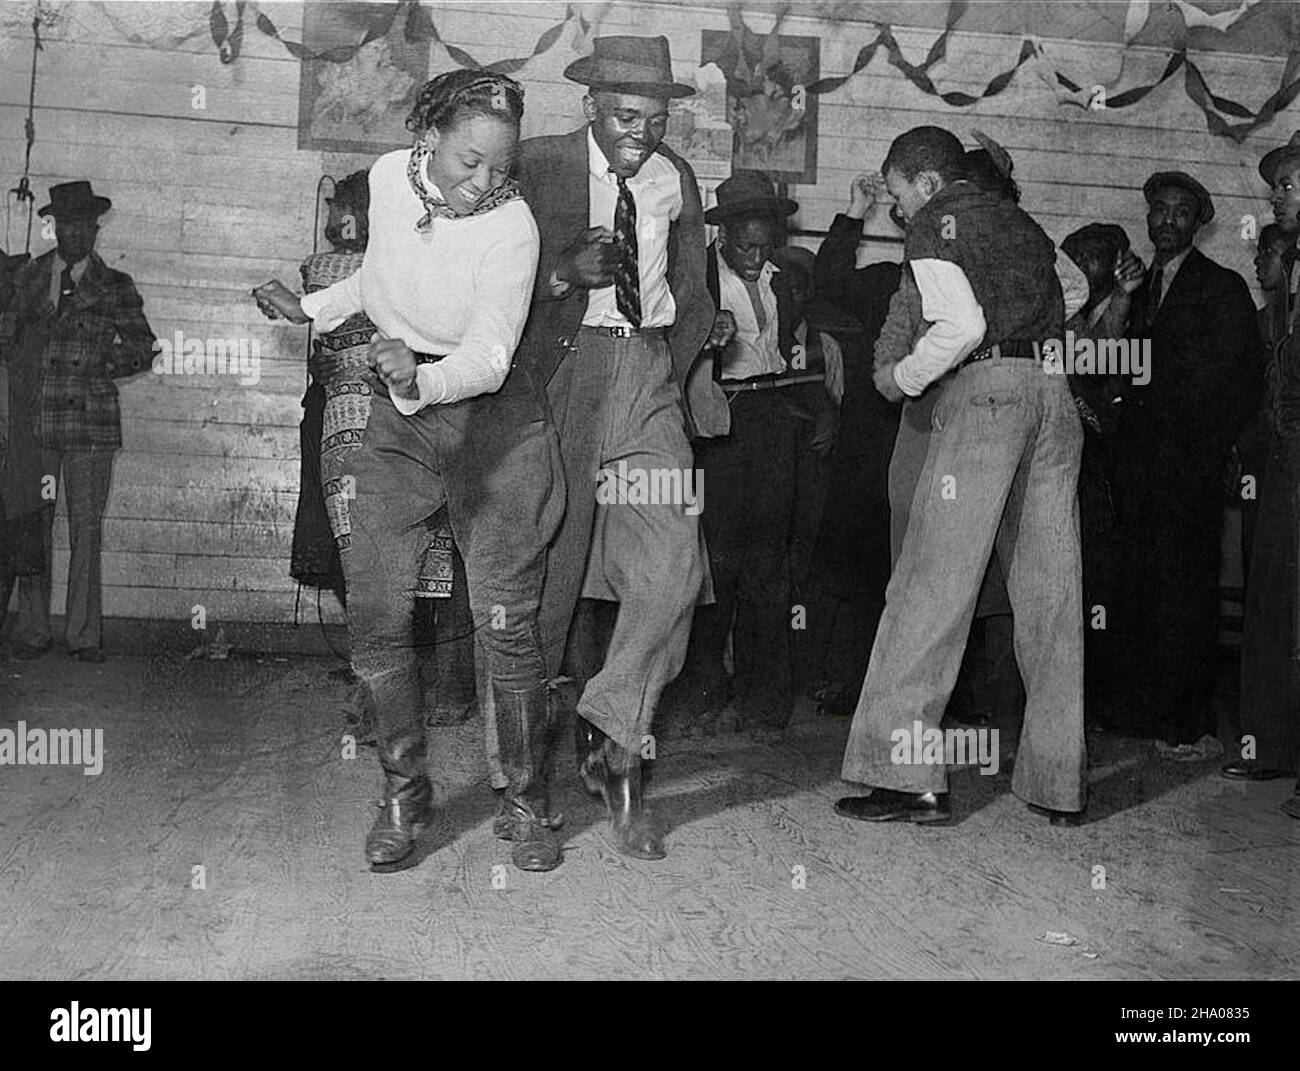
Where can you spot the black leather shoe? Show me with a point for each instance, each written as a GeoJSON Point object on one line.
{"type": "Point", "coordinates": [617, 774]}
{"type": "Point", "coordinates": [404, 814]}
{"type": "Point", "coordinates": [890, 805]}
{"type": "Point", "coordinates": [1059, 818]}
{"type": "Point", "coordinates": [28, 653]}
{"type": "Point", "coordinates": [1250, 771]}
{"type": "Point", "coordinates": [503, 824]}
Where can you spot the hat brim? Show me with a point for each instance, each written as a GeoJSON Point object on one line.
{"type": "Point", "coordinates": [582, 71]}
{"type": "Point", "coordinates": [781, 206]}
{"type": "Point", "coordinates": [1273, 160]}
{"type": "Point", "coordinates": [97, 207]}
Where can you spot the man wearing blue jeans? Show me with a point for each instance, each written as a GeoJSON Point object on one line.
{"type": "Point", "coordinates": [1000, 476]}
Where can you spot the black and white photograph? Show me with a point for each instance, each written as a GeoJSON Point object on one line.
{"type": "Point", "coordinates": [652, 490]}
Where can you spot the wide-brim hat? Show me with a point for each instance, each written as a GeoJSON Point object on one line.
{"type": "Point", "coordinates": [1000, 157]}
{"type": "Point", "coordinates": [748, 193]}
{"type": "Point", "coordinates": [75, 199]}
{"type": "Point", "coordinates": [1274, 159]}
{"type": "Point", "coordinates": [625, 64]}
{"type": "Point", "coordinates": [1183, 180]}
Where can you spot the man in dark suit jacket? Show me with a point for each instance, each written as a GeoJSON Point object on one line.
{"type": "Point", "coordinates": [72, 327]}
{"type": "Point", "coordinates": [1172, 446]}
{"type": "Point", "coordinates": [620, 314]}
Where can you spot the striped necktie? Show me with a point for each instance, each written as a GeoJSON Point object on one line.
{"type": "Point", "coordinates": [627, 275]}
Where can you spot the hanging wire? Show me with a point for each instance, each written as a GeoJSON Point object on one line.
{"type": "Point", "coordinates": [23, 191]}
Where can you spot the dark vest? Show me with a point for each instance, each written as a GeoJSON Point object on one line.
{"type": "Point", "coordinates": [1008, 259]}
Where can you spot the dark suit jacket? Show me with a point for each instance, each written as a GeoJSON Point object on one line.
{"type": "Point", "coordinates": [1205, 370]}
{"type": "Point", "coordinates": [553, 176]}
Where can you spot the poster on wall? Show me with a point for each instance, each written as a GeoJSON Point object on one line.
{"type": "Point", "coordinates": [773, 120]}
{"type": "Point", "coordinates": [358, 105]}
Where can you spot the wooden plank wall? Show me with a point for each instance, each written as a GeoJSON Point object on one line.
{"type": "Point", "coordinates": [210, 203]}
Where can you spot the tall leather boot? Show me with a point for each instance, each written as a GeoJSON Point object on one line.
{"type": "Point", "coordinates": [405, 811]}
{"type": "Point", "coordinates": [617, 773]}
{"type": "Point", "coordinates": [523, 733]}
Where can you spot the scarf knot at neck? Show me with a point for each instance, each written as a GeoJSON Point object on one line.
{"type": "Point", "coordinates": [435, 205]}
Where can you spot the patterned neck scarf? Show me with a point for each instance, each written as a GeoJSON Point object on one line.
{"type": "Point", "coordinates": [435, 205]}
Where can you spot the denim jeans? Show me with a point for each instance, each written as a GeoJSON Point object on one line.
{"type": "Point", "coordinates": [494, 462]}
{"type": "Point", "coordinates": [1000, 475]}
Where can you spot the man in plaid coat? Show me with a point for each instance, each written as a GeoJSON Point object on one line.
{"type": "Point", "coordinates": [72, 327]}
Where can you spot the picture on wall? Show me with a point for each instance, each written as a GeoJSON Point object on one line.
{"type": "Point", "coordinates": [361, 103]}
{"type": "Point", "coordinates": [773, 119]}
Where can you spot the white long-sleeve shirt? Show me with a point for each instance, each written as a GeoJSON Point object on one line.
{"type": "Point", "coordinates": [949, 303]}
{"type": "Point", "coordinates": [462, 288]}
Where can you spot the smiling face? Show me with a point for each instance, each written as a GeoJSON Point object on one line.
{"type": "Point", "coordinates": [627, 127]}
{"type": "Point", "coordinates": [471, 159]}
{"type": "Point", "coordinates": [1286, 196]}
{"type": "Point", "coordinates": [1172, 220]}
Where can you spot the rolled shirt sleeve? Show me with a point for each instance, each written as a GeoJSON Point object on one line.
{"type": "Point", "coordinates": [1074, 284]}
{"type": "Point", "coordinates": [480, 363]}
{"type": "Point", "coordinates": [331, 306]}
{"type": "Point", "coordinates": [956, 325]}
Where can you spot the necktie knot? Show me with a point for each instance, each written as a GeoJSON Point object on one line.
{"type": "Point", "coordinates": [67, 287]}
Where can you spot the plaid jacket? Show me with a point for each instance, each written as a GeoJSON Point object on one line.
{"type": "Point", "coordinates": [75, 355]}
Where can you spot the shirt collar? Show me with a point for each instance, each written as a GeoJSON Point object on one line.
{"type": "Point", "coordinates": [1171, 266]}
{"type": "Point", "coordinates": [597, 164]}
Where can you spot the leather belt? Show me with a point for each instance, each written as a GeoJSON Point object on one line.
{"type": "Point", "coordinates": [627, 332]}
{"type": "Point", "coordinates": [769, 382]}
{"type": "Point", "coordinates": [1020, 348]}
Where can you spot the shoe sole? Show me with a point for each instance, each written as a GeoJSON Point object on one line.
{"type": "Point", "coordinates": [915, 818]}
{"type": "Point", "coordinates": [403, 861]}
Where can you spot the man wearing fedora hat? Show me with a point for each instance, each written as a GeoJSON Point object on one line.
{"type": "Point", "coordinates": [751, 473]}
{"type": "Point", "coordinates": [620, 315]}
{"type": "Point", "coordinates": [73, 326]}
{"type": "Point", "coordinates": [1171, 450]}
{"type": "Point", "coordinates": [1270, 658]}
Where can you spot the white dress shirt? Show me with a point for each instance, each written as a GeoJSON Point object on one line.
{"type": "Point", "coordinates": [753, 351]}
{"type": "Point", "coordinates": [957, 324]}
{"type": "Point", "coordinates": [462, 289]}
{"type": "Point", "coordinates": [1167, 273]}
{"type": "Point", "coordinates": [657, 191]}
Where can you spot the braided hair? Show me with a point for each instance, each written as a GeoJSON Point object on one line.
{"type": "Point", "coordinates": [454, 96]}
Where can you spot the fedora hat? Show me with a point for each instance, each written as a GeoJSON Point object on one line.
{"type": "Point", "coordinates": [748, 193]}
{"type": "Point", "coordinates": [75, 199]}
{"type": "Point", "coordinates": [640, 65]}
{"type": "Point", "coordinates": [1184, 181]}
{"type": "Point", "coordinates": [1283, 154]}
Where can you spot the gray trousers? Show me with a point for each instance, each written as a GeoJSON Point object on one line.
{"type": "Point", "coordinates": [1001, 474]}
{"type": "Point", "coordinates": [83, 477]}
{"type": "Point", "coordinates": [616, 400]}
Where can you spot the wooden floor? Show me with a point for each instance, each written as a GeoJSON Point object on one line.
{"type": "Point", "coordinates": [236, 766]}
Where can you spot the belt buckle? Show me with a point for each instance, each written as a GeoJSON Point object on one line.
{"type": "Point", "coordinates": [619, 331]}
